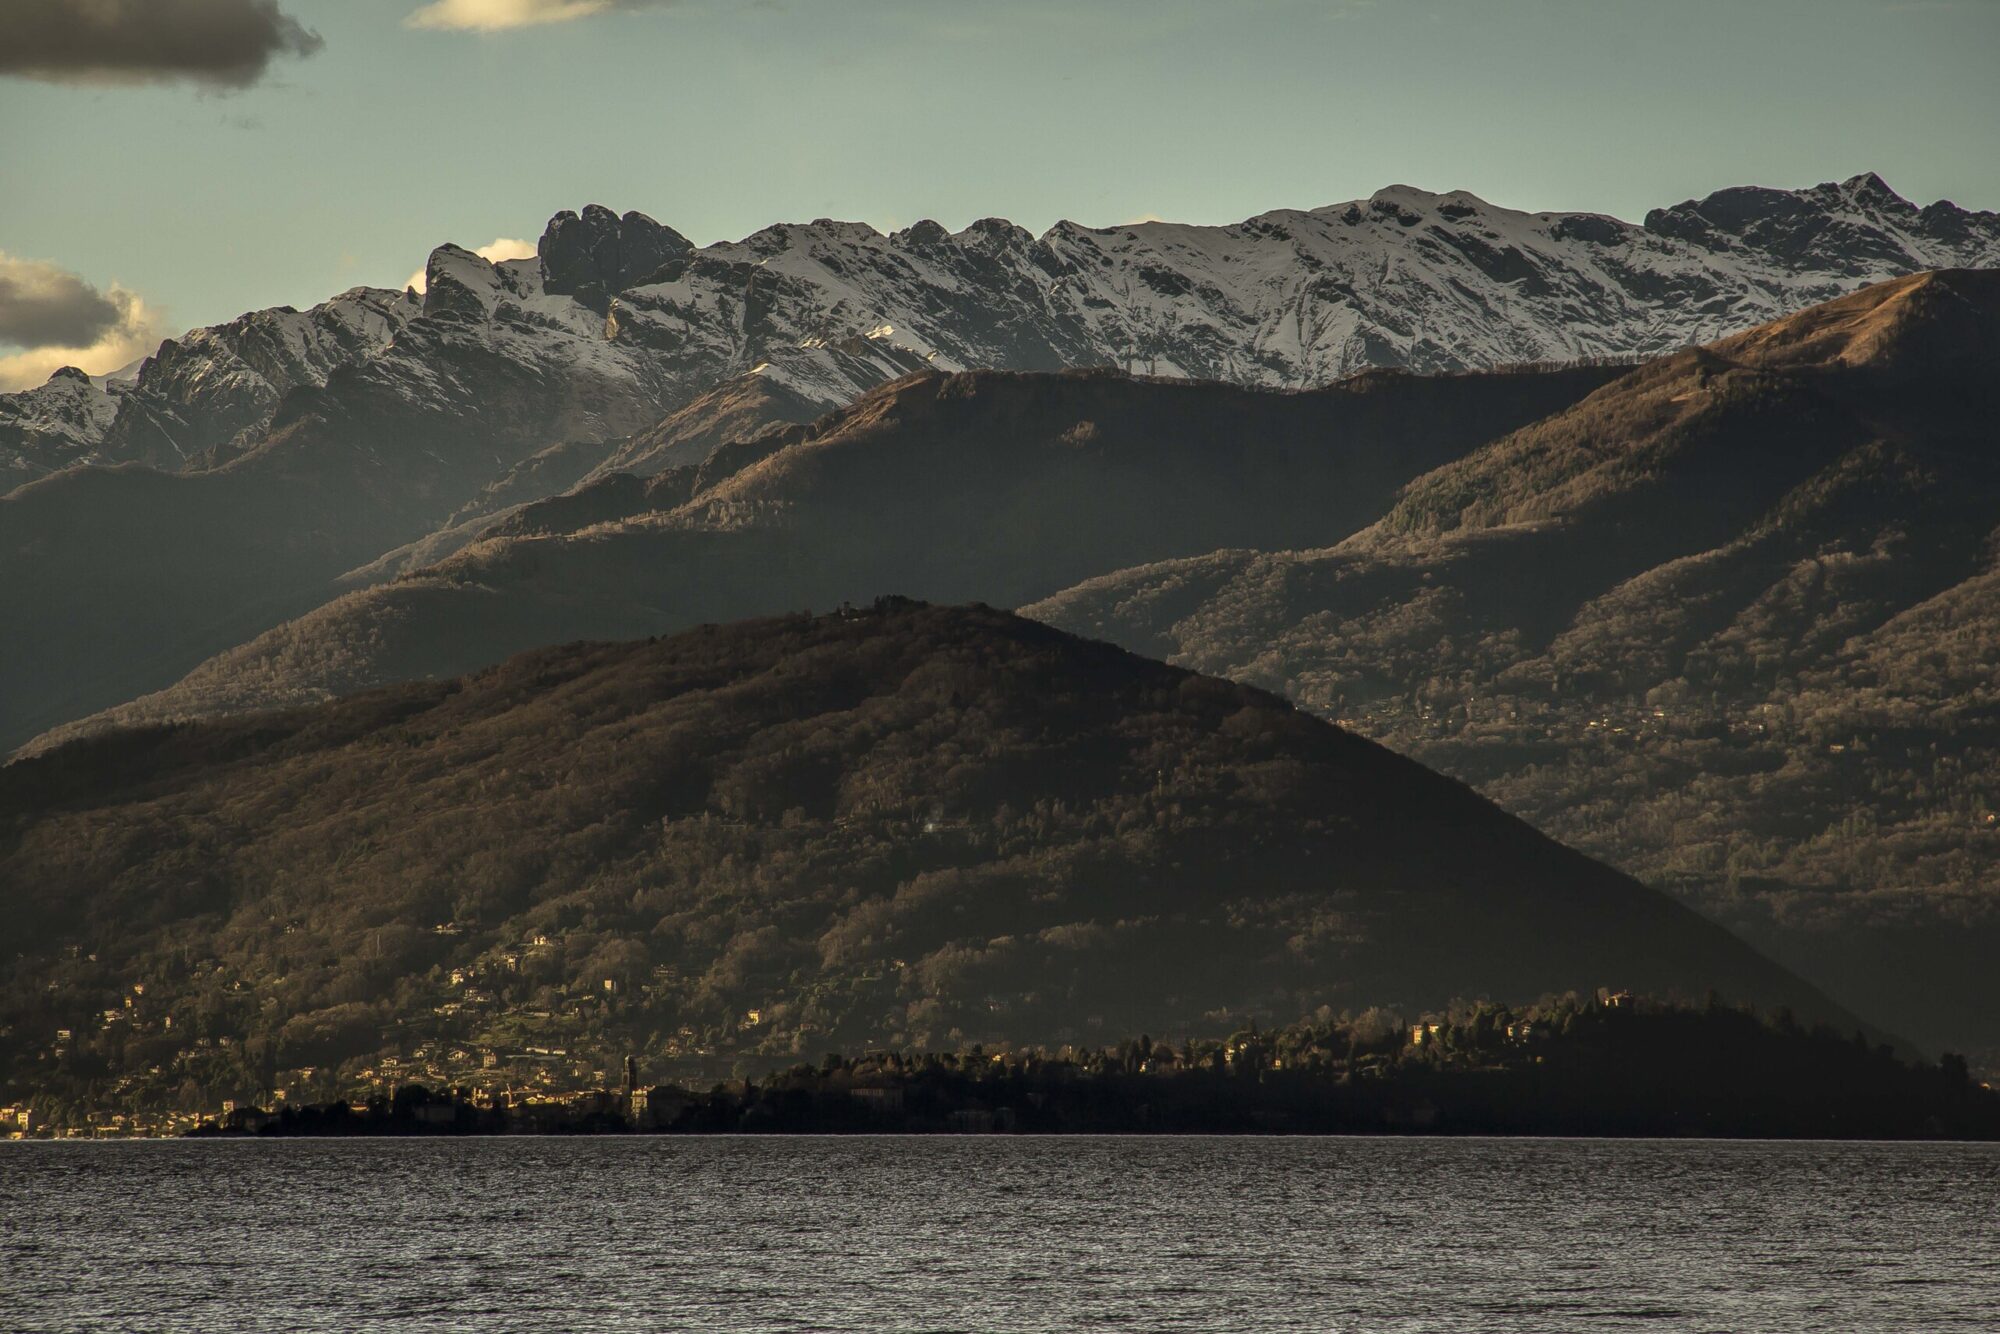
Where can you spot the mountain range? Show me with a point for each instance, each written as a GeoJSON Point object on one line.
{"type": "Point", "coordinates": [643, 320]}
{"type": "Point", "coordinates": [1686, 615]}
{"type": "Point", "coordinates": [990, 485]}
{"type": "Point", "coordinates": [379, 432]}
{"type": "Point", "coordinates": [1446, 474]}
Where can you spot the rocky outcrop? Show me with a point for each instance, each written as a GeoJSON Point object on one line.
{"type": "Point", "coordinates": [598, 254]}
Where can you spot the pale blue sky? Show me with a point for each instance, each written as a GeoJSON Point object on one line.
{"type": "Point", "coordinates": [719, 116]}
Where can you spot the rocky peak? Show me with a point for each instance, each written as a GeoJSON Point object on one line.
{"type": "Point", "coordinates": [1713, 220]}
{"type": "Point", "coordinates": [51, 426]}
{"type": "Point", "coordinates": [999, 234]}
{"type": "Point", "coordinates": [458, 282]}
{"type": "Point", "coordinates": [1872, 189]}
{"type": "Point", "coordinates": [594, 256]}
{"type": "Point", "coordinates": [923, 232]}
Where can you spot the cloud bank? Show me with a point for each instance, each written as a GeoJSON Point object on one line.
{"type": "Point", "coordinates": [60, 320]}
{"type": "Point", "coordinates": [221, 43]}
{"type": "Point", "coordinates": [495, 15]}
{"type": "Point", "coordinates": [499, 248]}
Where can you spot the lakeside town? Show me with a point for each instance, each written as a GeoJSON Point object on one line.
{"type": "Point", "coordinates": [499, 1028]}
{"type": "Point", "coordinates": [1609, 1063]}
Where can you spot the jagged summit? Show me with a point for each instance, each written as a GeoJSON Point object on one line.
{"type": "Point", "coordinates": [1841, 227]}
{"type": "Point", "coordinates": [43, 428]}
{"type": "Point", "coordinates": [597, 254]}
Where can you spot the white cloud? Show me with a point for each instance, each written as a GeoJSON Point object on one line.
{"type": "Point", "coordinates": [136, 334]}
{"type": "Point", "coordinates": [499, 248]}
{"type": "Point", "coordinates": [495, 15]}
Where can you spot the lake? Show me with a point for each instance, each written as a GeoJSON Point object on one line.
{"type": "Point", "coordinates": [982, 1234]}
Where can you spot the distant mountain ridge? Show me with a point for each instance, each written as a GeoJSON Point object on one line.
{"type": "Point", "coordinates": [292, 455]}
{"type": "Point", "coordinates": [1405, 278]}
{"type": "Point", "coordinates": [989, 485]}
{"type": "Point", "coordinates": [208, 390]}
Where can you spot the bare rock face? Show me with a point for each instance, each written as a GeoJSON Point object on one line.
{"type": "Point", "coordinates": [595, 256]}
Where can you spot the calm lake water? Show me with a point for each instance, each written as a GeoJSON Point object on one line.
{"type": "Point", "coordinates": [998, 1234]}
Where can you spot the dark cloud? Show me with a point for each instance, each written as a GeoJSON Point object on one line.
{"type": "Point", "coordinates": [58, 319]}
{"type": "Point", "coordinates": [44, 306]}
{"type": "Point", "coordinates": [223, 43]}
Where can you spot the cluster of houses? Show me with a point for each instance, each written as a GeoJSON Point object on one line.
{"type": "Point", "coordinates": [101, 1125]}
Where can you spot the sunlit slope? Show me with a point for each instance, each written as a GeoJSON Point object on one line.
{"type": "Point", "coordinates": [1727, 622]}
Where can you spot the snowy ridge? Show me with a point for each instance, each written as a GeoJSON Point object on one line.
{"type": "Point", "coordinates": [1404, 278]}
{"type": "Point", "coordinates": [54, 424]}
{"type": "Point", "coordinates": [620, 321]}
{"type": "Point", "coordinates": [208, 393]}
{"type": "Point", "coordinates": [495, 353]}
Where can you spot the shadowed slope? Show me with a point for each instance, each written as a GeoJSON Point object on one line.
{"type": "Point", "coordinates": [999, 486]}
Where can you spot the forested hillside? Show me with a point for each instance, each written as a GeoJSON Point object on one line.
{"type": "Point", "coordinates": [905, 826]}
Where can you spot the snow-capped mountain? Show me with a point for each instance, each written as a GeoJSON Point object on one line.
{"type": "Point", "coordinates": [620, 320]}
{"type": "Point", "coordinates": [1290, 298]}
{"type": "Point", "coordinates": [54, 424]}
{"type": "Point", "coordinates": [528, 352]}
{"type": "Point", "coordinates": [198, 394]}
{"type": "Point", "coordinates": [188, 402]}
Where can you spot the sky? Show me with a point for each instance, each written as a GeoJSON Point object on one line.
{"type": "Point", "coordinates": [169, 163]}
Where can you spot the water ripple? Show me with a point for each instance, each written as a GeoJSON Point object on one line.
{"type": "Point", "coordinates": [942, 1236]}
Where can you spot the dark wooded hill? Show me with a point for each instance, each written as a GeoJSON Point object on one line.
{"type": "Point", "coordinates": [909, 825]}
